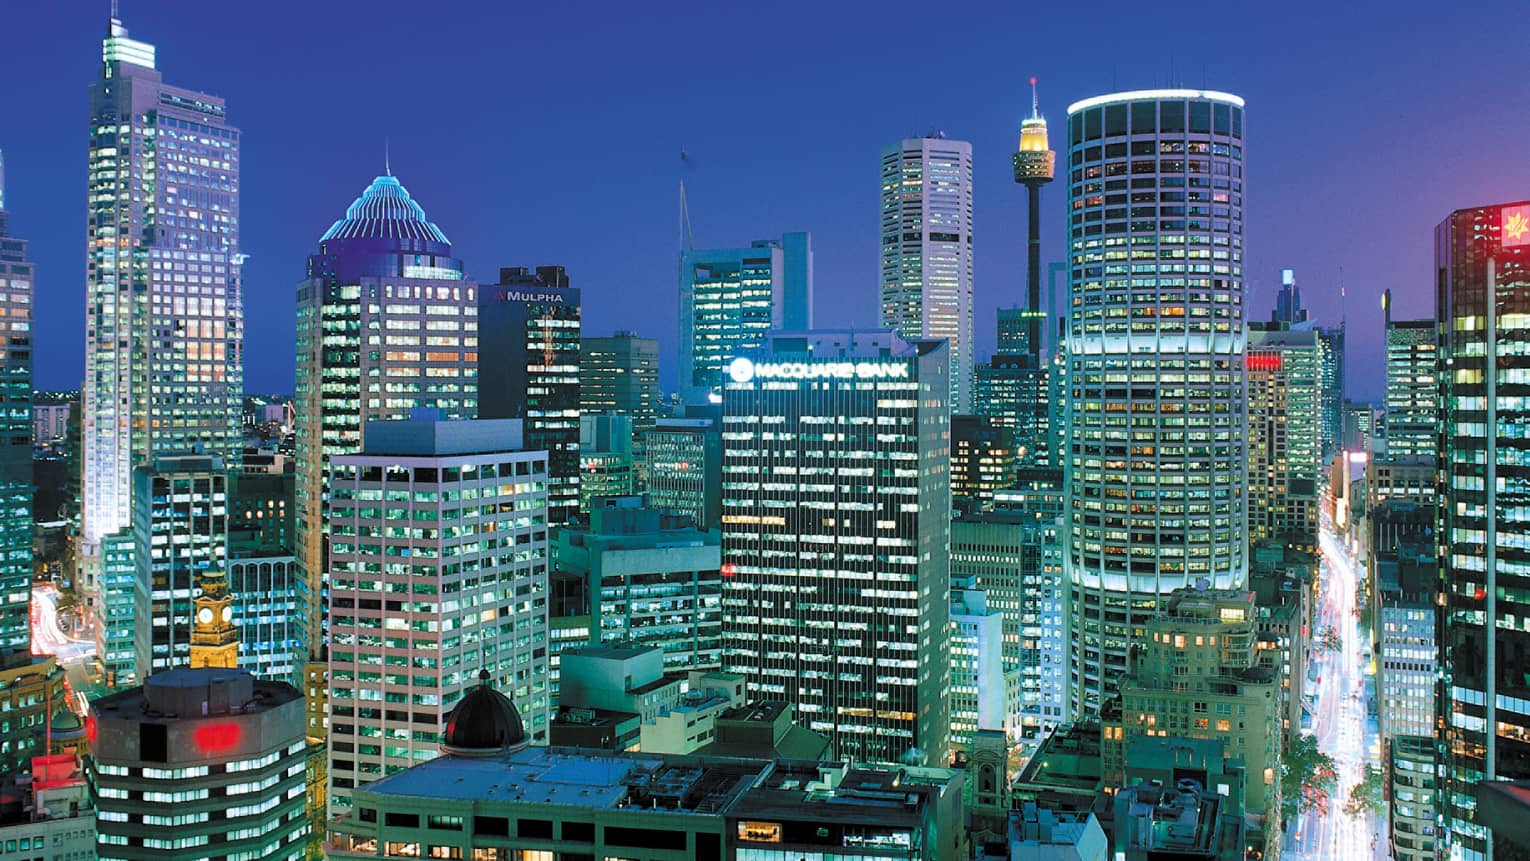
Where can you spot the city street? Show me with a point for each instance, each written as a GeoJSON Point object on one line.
{"type": "Point", "coordinates": [1340, 720]}
{"type": "Point", "coordinates": [73, 653]}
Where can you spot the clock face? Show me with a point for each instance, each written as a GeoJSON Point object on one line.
{"type": "Point", "coordinates": [228, 614]}
{"type": "Point", "coordinates": [205, 615]}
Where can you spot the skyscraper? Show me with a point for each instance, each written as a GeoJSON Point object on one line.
{"type": "Point", "coordinates": [729, 299]}
{"type": "Point", "coordinates": [620, 374]}
{"type": "Point", "coordinates": [1155, 459]}
{"type": "Point", "coordinates": [1482, 256]}
{"type": "Point", "coordinates": [419, 612]}
{"type": "Point", "coordinates": [164, 314]}
{"type": "Point", "coordinates": [1012, 390]}
{"type": "Point", "coordinates": [1285, 466]}
{"type": "Point", "coordinates": [16, 287]}
{"type": "Point", "coordinates": [180, 531]}
{"type": "Point", "coordinates": [1288, 302]}
{"type": "Point", "coordinates": [528, 369]}
{"type": "Point", "coordinates": [685, 468]}
{"type": "Point", "coordinates": [387, 322]}
{"type": "Point", "coordinates": [926, 222]}
{"type": "Point", "coordinates": [836, 520]}
{"type": "Point", "coordinates": [1412, 411]}
{"type": "Point", "coordinates": [1331, 379]}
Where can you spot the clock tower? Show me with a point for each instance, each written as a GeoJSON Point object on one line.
{"type": "Point", "coordinates": [214, 639]}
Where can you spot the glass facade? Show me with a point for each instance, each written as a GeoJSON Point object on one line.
{"type": "Point", "coordinates": [386, 323]}
{"type": "Point", "coordinates": [180, 529]}
{"type": "Point", "coordinates": [164, 322]}
{"type": "Point", "coordinates": [1156, 462]}
{"type": "Point", "coordinates": [16, 290]}
{"type": "Point", "coordinates": [1412, 412]}
{"type": "Point", "coordinates": [529, 370]}
{"type": "Point", "coordinates": [1483, 310]}
{"type": "Point", "coordinates": [836, 524]}
{"type": "Point", "coordinates": [1284, 460]}
{"type": "Point", "coordinates": [926, 226]}
{"type": "Point", "coordinates": [729, 299]}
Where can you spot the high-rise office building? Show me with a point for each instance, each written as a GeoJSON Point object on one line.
{"type": "Point", "coordinates": [198, 764]}
{"type": "Point", "coordinates": [1412, 410]}
{"type": "Point", "coordinates": [180, 532]}
{"type": "Point", "coordinates": [651, 581]}
{"type": "Point", "coordinates": [1284, 462]}
{"type": "Point", "coordinates": [1288, 302]}
{"type": "Point", "coordinates": [1331, 380]}
{"type": "Point", "coordinates": [528, 369]}
{"type": "Point", "coordinates": [982, 461]}
{"type": "Point", "coordinates": [1012, 390]}
{"type": "Point", "coordinates": [684, 458]}
{"type": "Point", "coordinates": [836, 520]}
{"type": "Point", "coordinates": [164, 314]}
{"type": "Point", "coordinates": [387, 322]}
{"type": "Point", "coordinates": [729, 299]}
{"type": "Point", "coordinates": [620, 374]}
{"type": "Point", "coordinates": [419, 610]}
{"type": "Point", "coordinates": [605, 458]}
{"type": "Point", "coordinates": [1482, 256]}
{"type": "Point", "coordinates": [1015, 555]}
{"type": "Point", "coordinates": [1155, 432]}
{"type": "Point", "coordinates": [926, 224]}
{"type": "Point", "coordinates": [978, 680]}
{"type": "Point", "coordinates": [16, 288]}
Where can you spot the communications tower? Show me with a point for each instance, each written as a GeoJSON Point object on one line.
{"type": "Point", "coordinates": [1034, 167]}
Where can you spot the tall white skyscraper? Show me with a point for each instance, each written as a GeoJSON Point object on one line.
{"type": "Point", "coordinates": [926, 279]}
{"type": "Point", "coordinates": [164, 319]}
{"type": "Point", "coordinates": [1155, 453]}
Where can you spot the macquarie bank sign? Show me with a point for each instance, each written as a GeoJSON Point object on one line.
{"type": "Point", "coordinates": [743, 370]}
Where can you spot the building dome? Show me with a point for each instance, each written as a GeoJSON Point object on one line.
{"type": "Point", "coordinates": [483, 723]}
{"type": "Point", "coordinates": [385, 211]}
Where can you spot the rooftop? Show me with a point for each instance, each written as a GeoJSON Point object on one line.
{"type": "Point", "coordinates": [575, 777]}
{"type": "Point", "coordinates": [385, 211]}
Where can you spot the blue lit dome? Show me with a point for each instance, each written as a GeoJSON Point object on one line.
{"type": "Point", "coordinates": [385, 211]}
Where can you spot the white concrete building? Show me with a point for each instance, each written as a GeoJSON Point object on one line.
{"type": "Point", "coordinates": [438, 572]}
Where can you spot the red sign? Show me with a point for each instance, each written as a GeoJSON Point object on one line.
{"type": "Point", "coordinates": [216, 737]}
{"type": "Point", "coordinates": [1514, 225]}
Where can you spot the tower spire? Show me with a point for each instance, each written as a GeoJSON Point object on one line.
{"type": "Point", "coordinates": [387, 156]}
{"type": "Point", "coordinates": [1035, 103]}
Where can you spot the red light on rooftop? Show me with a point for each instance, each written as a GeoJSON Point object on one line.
{"type": "Point", "coordinates": [1263, 361]}
{"type": "Point", "coordinates": [216, 737]}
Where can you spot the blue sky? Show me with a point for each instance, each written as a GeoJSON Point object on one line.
{"type": "Point", "coordinates": [550, 133]}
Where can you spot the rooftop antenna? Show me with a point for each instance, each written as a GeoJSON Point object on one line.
{"type": "Point", "coordinates": [387, 155]}
{"type": "Point", "coordinates": [687, 240]}
{"type": "Point", "coordinates": [1035, 105]}
{"type": "Point", "coordinates": [114, 10]}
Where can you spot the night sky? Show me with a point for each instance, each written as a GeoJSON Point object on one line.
{"type": "Point", "coordinates": [542, 133]}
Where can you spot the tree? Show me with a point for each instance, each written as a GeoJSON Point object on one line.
{"type": "Point", "coordinates": [1368, 796]}
{"type": "Point", "coordinates": [1308, 778]}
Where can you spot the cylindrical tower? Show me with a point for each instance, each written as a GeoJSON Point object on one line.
{"type": "Point", "coordinates": [1035, 164]}
{"type": "Point", "coordinates": [1156, 389]}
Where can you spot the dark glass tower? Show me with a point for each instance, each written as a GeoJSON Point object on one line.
{"type": "Point", "coordinates": [528, 368]}
{"type": "Point", "coordinates": [1482, 258]}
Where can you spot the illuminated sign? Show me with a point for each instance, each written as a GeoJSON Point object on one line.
{"type": "Point", "coordinates": [216, 737]}
{"type": "Point", "coordinates": [742, 370]}
{"type": "Point", "coordinates": [1263, 361]}
{"type": "Point", "coordinates": [1515, 225]}
{"type": "Point", "coordinates": [523, 296]}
